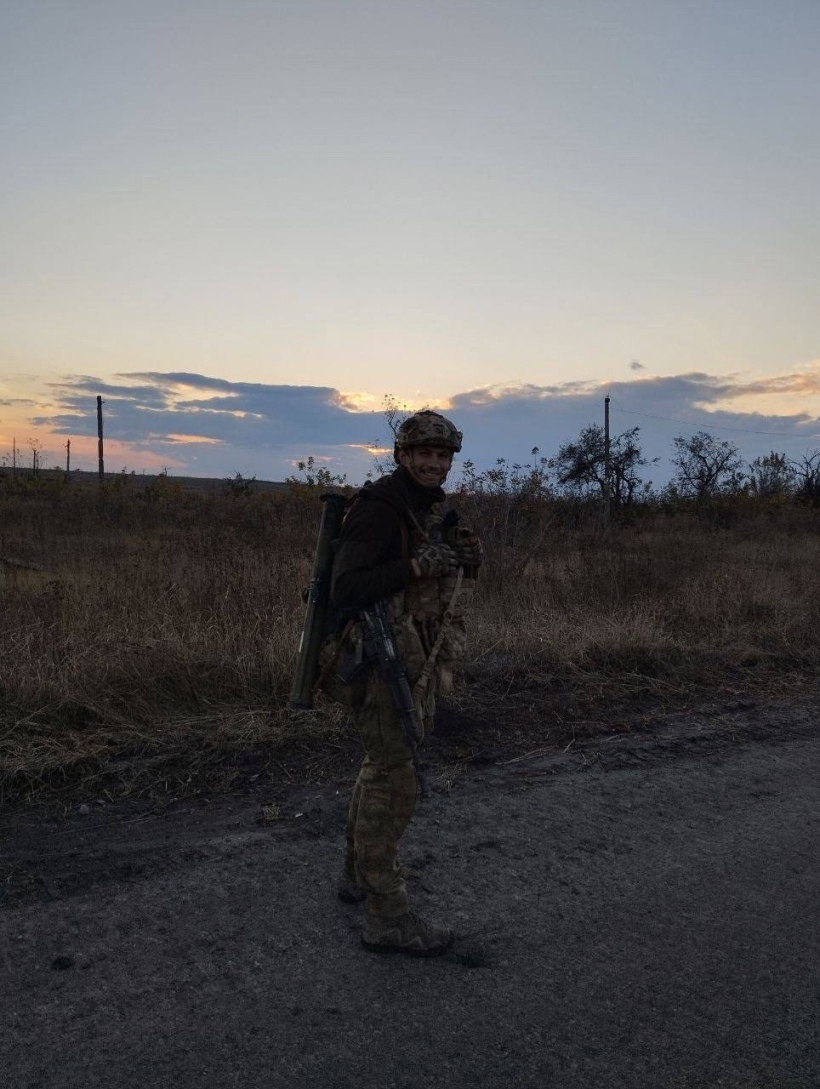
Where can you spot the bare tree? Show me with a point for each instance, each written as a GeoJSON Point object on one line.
{"type": "Point", "coordinates": [771, 476]}
{"type": "Point", "coordinates": [580, 466]}
{"type": "Point", "coordinates": [807, 476]}
{"type": "Point", "coordinates": [394, 415]}
{"type": "Point", "coordinates": [705, 465]}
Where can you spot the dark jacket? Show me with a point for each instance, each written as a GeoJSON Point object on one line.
{"type": "Point", "coordinates": [369, 564]}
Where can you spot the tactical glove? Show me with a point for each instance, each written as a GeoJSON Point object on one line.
{"type": "Point", "coordinates": [469, 551]}
{"type": "Point", "coordinates": [436, 560]}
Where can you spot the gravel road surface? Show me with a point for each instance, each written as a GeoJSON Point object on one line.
{"type": "Point", "coordinates": [641, 911]}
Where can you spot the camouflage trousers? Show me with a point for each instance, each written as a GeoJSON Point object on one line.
{"type": "Point", "coordinates": [384, 798]}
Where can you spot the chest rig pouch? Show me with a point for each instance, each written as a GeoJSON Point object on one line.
{"type": "Point", "coordinates": [428, 618]}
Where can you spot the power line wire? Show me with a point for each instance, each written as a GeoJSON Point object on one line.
{"type": "Point", "coordinates": [702, 423]}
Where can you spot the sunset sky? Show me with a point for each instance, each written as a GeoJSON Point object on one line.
{"type": "Point", "coordinates": [243, 223]}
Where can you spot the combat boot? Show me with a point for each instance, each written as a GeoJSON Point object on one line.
{"type": "Point", "coordinates": [348, 891]}
{"type": "Point", "coordinates": [407, 934]}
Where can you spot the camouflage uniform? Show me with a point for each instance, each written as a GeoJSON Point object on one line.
{"type": "Point", "coordinates": [384, 797]}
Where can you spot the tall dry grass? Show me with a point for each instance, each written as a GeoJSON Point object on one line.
{"type": "Point", "coordinates": [136, 631]}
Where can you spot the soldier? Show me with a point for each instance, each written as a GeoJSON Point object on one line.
{"type": "Point", "coordinates": [394, 545]}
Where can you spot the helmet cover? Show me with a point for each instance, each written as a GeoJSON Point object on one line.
{"type": "Point", "coordinates": [428, 428]}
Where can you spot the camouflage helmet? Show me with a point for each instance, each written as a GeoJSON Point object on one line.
{"type": "Point", "coordinates": [427, 428]}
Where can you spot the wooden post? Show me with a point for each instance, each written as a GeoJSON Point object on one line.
{"type": "Point", "coordinates": [607, 464]}
{"type": "Point", "coordinates": [67, 458]}
{"type": "Point", "coordinates": [100, 459]}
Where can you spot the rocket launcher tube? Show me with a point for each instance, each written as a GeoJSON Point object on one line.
{"type": "Point", "coordinates": [318, 599]}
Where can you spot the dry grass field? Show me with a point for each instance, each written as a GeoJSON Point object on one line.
{"type": "Point", "coordinates": [147, 640]}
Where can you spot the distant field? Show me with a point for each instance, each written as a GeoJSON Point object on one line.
{"type": "Point", "coordinates": [148, 635]}
{"type": "Point", "coordinates": [140, 481]}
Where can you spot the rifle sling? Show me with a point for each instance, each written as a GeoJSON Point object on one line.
{"type": "Point", "coordinates": [420, 687]}
{"type": "Point", "coordinates": [331, 662]}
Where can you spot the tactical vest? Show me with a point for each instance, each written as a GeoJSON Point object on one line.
{"type": "Point", "coordinates": [419, 611]}
{"type": "Point", "coordinates": [418, 614]}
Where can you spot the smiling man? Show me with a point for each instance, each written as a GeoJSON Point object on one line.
{"type": "Point", "coordinates": [398, 544]}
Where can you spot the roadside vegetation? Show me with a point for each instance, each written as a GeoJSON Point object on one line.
{"type": "Point", "coordinates": [148, 636]}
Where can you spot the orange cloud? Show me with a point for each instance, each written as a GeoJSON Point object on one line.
{"type": "Point", "coordinates": [356, 401]}
{"type": "Point", "coordinates": [775, 394]}
{"type": "Point", "coordinates": [188, 439]}
{"type": "Point", "coordinates": [803, 381]}
{"type": "Point", "coordinates": [370, 449]}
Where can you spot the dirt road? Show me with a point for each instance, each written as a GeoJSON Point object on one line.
{"type": "Point", "coordinates": [641, 911]}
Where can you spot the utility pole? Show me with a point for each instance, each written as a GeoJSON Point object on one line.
{"type": "Point", "coordinates": [67, 458]}
{"type": "Point", "coordinates": [607, 464]}
{"type": "Point", "coordinates": [100, 440]}
{"type": "Point", "coordinates": [14, 456]}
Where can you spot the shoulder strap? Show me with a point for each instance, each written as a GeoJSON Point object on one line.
{"type": "Point", "coordinates": [422, 532]}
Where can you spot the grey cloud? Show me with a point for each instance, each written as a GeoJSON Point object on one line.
{"type": "Point", "coordinates": [180, 378]}
{"type": "Point", "coordinates": [277, 415]}
{"type": "Point", "coordinates": [221, 405]}
{"type": "Point", "coordinates": [283, 422]}
{"type": "Point", "coordinates": [636, 366]}
{"type": "Point", "coordinates": [72, 387]}
{"type": "Point", "coordinates": [512, 421]}
{"type": "Point", "coordinates": [679, 396]}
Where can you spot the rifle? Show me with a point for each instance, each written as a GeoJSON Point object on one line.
{"type": "Point", "coordinates": [317, 599]}
{"type": "Point", "coordinates": [380, 647]}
